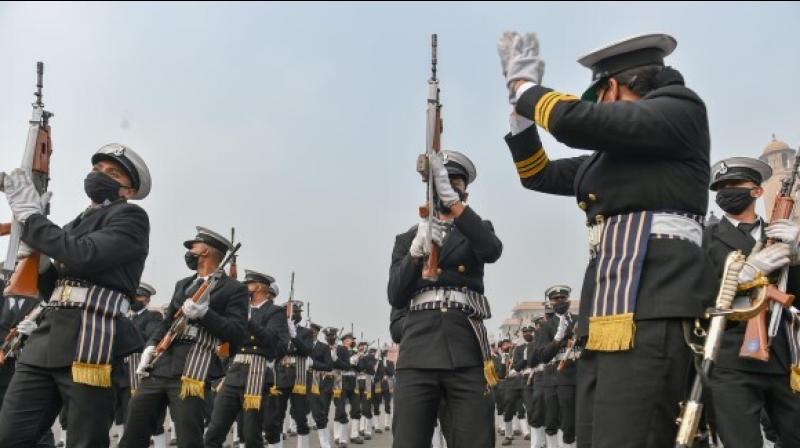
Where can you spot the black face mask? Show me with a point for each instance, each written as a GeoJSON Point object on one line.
{"type": "Point", "coordinates": [101, 188]}
{"type": "Point", "coordinates": [296, 318]}
{"type": "Point", "coordinates": [734, 200]}
{"type": "Point", "coordinates": [137, 306]}
{"type": "Point", "coordinates": [192, 260]}
{"type": "Point", "coordinates": [561, 308]}
{"type": "Point", "coordinates": [528, 337]}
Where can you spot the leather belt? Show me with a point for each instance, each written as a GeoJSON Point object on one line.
{"type": "Point", "coordinates": [439, 295]}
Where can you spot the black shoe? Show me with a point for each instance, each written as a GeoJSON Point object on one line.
{"type": "Point", "coordinates": [367, 437]}
{"type": "Point", "coordinates": [358, 440]}
{"type": "Point", "coordinates": [506, 441]}
{"type": "Point", "coordinates": [527, 437]}
{"type": "Point", "coordinates": [378, 431]}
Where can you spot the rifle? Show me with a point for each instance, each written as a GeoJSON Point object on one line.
{"type": "Point", "coordinates": [433, 145]}
{"type": "Point", "coordinates": [692, 410]}
{"type": "Point", "coordinates": [562, 364]}
{"type": "Point", "coordinates": [22, 279]}
{"type": "Point", "coordinates": [13, 340]}
{"type": "Point", "coordinates": [179, 320]}
{"type": "Point", "coordinates": [308, 314]}
{"type": "Point", "coordinates": [289, 307]}
{"type": "Point", "coordinates": [233, 272]}
{"type": "Point", "coordinates": [757, 337]}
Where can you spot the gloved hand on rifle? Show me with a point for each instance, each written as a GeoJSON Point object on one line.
{"type": "Point", "coordinates": [519, 57]}
{"type": "Point", "coordinates": [27, 327]}
{"type": "Point", "coordinates": [147, 357]}
{"type": "Point", "coordinates": [785, 231]}
{"type": "Point", "coordinates": [292, 328]}
{"type": "Point", "coordinates": [193, 310]}
{"type": "Point", "coordinates": [441, 180]}
{"type": "Point", "coordinates": [22, 196]}
{"type": "Point", "coordinates": [765, 261]}
{"type": "Point", "coordinates": [420, 246]}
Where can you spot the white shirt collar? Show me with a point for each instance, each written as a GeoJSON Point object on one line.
{"type": "Point", "coordinates": [755, 233]}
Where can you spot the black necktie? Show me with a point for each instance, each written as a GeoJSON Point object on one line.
{"type": "Point", "coordinates": [748, 228]}
{"type": "Point", "coordinates": [194, 287]}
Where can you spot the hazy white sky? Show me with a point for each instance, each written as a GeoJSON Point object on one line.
{"type": "Point", "coordinates": [300, 123]}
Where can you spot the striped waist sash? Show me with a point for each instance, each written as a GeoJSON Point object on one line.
{"type": "Point", "coordinates": [198, 360]}
{"type": "Point", "coordinates": [256, 375]}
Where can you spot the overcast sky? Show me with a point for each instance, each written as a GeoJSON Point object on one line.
{"type": "Point", "coordinates": [299, 124]}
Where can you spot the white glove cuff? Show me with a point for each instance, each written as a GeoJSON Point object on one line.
{"type": "Point", "coordinates": [518, 123]}
{"type": "Point", "coordinates": [748, 273]}
{"type": "Point", "coordinates": [524, 88]}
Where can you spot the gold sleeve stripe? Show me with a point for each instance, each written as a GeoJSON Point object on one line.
{"type": "Point", "coordinates": [537, 111]}
{"type": "Point", "coordinates": [535, 168]}
{"type": "Point", "coordinates": [548, 108]}
{"type": "Point", "coordinates": [525, 164]}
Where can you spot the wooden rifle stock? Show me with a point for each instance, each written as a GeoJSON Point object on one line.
{"type": "Point", "coordinates": [24, 282]}
{"type": "Point", "coordinates": [5, 228]}
{"type": "Point", "coordinates": [755, 344]}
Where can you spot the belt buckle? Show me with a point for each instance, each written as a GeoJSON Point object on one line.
{"type": "Point", "coordinates": [443, 296]}
{"type": "Point", "coordinates": [66, 293]}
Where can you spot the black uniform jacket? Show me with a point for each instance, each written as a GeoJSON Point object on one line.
{"type": "Point", "coordinates": [433, 339]}
{"type": "Point", "coordinates": [300, 346]}
{"type": "Point", "coordinates": [267, 332]}
{"type": "Point", "coordinates": [323, 362]}
{"type": "Point", "coordinates": [226, 319]}
{"type": "Point", "coordinates": [342, 362]}
{"type": "Point", "coordinates": [719, 240]}
{"type": "Point", "coordinates": [12, 311]}
{"type": "Point", "coordinates": [518, 364]}
{"type": "Point", "coordinates": [546, 349]}
{"type": "Point", "coordinates": [105, 246]}
{"type": "Point", "coordinates": [397, 319]}
{"type": "Point", "coordinates": [647, 155]}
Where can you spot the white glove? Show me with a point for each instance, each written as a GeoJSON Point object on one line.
{"type": "Point", "coordinates": [505, 51]}
{"type": "Point", "coordinates": [309, 362]}
{"type": "Point", "coordinates": [292, 328]}
{"type": "Point", "coordinates": [147, 356]}
{"type": "Point", "coordinates": [441, 181]}
{"type": "Point", "coordinates": [194, 310]}
{"type": "Point", "coordinates": [524, 62]}
{"type": "Point", "coordinates": [22, 196]}
{"type": "Point", "coordinates": [354, 359]}
{"type": "Point", "coordinates": [420, 245]}
{"type": "Point", "coordinates": [518, 123]}
{"type": "Point", "coordinates": [785, 231]}
{"type": "Point", "coordinates": [767, 260]}
{"type": "Point", "coordinates": [562, 329]}
{"type": "Point", "coordinates": [26, 327]}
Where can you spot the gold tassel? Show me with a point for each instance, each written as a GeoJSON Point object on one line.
{"type": "Point", "coordinates": [299, 389]}
{"type": "Point", "coordinates": [274, 392]}
{"type": "Point", "coordinates": [315, 389]}
{"type": "Point", "coordinates": [357, 392]}
{"type": "Point", "coordinates": [369, 396]}
{"type": "Point", "coordinates": [133, 392]}
{"type": "Point", "coordinates": [252, 402]}
{"type": "Point", "coordinates": [489, 373]}
{"type": "Point", "coordinates": [378, 390]}
{"type": "Point", "coordinates": [98, 375]}
{"type": "Point", "coordinates": [337, 393]}
{"type": "Point", "coordinates": [612, 333]}
{"type": "Point", "coordinates": [191, 387]}
{"type": "Point", "coordinates": [794, 379]}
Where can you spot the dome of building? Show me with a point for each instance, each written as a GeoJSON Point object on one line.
{"type": "Point", "coordinates": [775, 146]}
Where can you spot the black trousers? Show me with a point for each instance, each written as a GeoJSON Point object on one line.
{"type": "Point", "coordinates": [227, 408]}
{"type": "Point", "coordinates": [469, 407]}
{"type": "Point", "coordinates": [320, 408]}
{"type": "Point", "coordinates": [552, 412]}
{"type": "Point", "coordinates": [566, 412]}
{"type": "Point", "coordinates": [512, 401]}
{"type": "Point", "coordinates": [739, 398]}
{"type": "Point", "coordinates": [365, 399]}
{"type": "Point", "coordinates": [499, 395]}
{"type": "Point", "coordinates": [386, 396]}
{"type": "Point", "coordinates": [34, 398]}
{"type": "Point", "coordinates": [376, 400]}
{"type": "Point", "coordinates": [147, 405]}
{"type": "Point", "coordinates": [537, 407]}
{"type": "Point", "coordinates": [348, 396]}
{"type": "Point", "coordinates": [122, 401]}
{"type": "Point", "coordinates": [630, 398]}
{"type": "Point", "coordinates": [276, 413]}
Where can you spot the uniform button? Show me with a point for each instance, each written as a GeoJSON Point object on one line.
{"type": "Point", "coordinates": [592, 197]}
{"type": "Point", "coordinates": [599, 219]}
{"type": "Point", "coordinates": [252, 338]}
{"type": "Point", "coordinates": [462, 269]}
{"type": "Point", "coordinates": [439, 271]}
{"type": "Point", "coordinates": [582, 205]}
{"type": "Point", "coordinates": [255, 347]}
